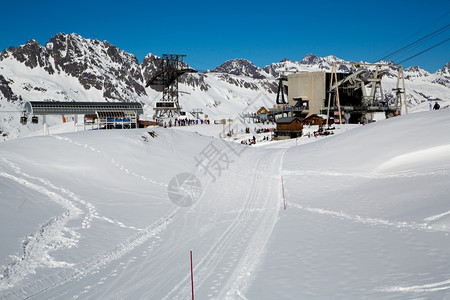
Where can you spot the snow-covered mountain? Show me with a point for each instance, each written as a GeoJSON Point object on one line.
{"type": "Point", "coordinates": [415, 72]}
{"type": "Point", "coordinates": [309, 63]}
{"type": "Point", "coordinates": [72, 68]}
{"type": "Point", "coordinates": [96, 65]}
{"type": "Point", "coordinates": [241, 67]}
{"type": "Point", "coordinates": [442, 76]}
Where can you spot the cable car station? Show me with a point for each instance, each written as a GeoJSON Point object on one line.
{"type": "Point", "coordinates": [97, 115]}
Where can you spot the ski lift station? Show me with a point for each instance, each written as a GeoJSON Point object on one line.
{"type": "Point", "coordinates": [171, 67]}
{"type": "Point", "coordinates": [97, 115]}
{"type": "Point", "coordinates": [355, 96]}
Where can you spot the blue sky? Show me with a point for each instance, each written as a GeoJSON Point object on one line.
{"type": "Point", "coordinates": [211, 32]}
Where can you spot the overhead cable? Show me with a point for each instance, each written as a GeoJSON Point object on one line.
{"type": "Point", "coordinates": [412, 35]}
{"type": "Point", "coordinates": [434, 46]}
{"type": "Point", "coordinates": [434, 33]}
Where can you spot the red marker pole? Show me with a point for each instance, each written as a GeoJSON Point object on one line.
{"type": "Point", "coordinates": [282, 186]}
{"type": "Point", "coordinates": [192, 278]}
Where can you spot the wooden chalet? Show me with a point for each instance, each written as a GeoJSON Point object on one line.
{"type": "Point", "coordinates": [288, 127]}
{"type": "Point", "coordinates": [262, 113]}
{"type": "Point", "coordinates": [317, 120]}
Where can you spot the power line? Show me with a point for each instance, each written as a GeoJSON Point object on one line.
{"type": "Point", "coordinates": [434, 33]}
{"type": "Point", "coordinates": [410, 51]}
{"type": "Point", "coordinates": [422, 29]}
{"type": "Point", "coordinates": [434, 46]}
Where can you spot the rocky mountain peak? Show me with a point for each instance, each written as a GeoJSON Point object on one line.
{"type": "Point", "coordinates": [445, 71]}
{"type": "Point", "coordinates": [150, 65]}
{"type": "Point", "coordinates": [417, 69]}
{"type": "Point", "coordinates": [413, 69]}
{"type": "Point", "coordinates": [443, 76]}
{"type": "Point", "coordinates": [95, 64]}
{"type": "Point", "coordinates": [332, 59]}
{"type": "Point", "coordinates": [241, 67]}
{"type": "Point", "coordinates": [322, 63]}
{"type": "Point", "coordinates": [415, 72]}
{"type": "Point", "coordinates": [32, 54]}
{"type": "Point", "coordinates": [310, 59]}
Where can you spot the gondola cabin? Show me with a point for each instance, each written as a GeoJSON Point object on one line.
{"type": "Point", "coordinates": [23, 120]}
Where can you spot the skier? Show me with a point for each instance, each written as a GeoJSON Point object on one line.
{"type": "Point", "coordinates": [436, 106]}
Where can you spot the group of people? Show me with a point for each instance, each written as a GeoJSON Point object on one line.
{"type": "Point", "coordinates": [249, 141]}
{"type": "Point", "coordinates": [185, 122]}
{"type": "Point", "coordinates": [252, 141]}
{"type": "Point", "coordinates": [258, 130]}
{"type": "Point", "coordinates": [263, 130]}
{"type": "Point", "coordinates": [321, 131]}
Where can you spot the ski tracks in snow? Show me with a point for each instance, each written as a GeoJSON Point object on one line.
{"type": "Point", "coordinates": [115, 163]}
{"type": "Point", "coordinates": [442, 170]}
{"type": "Point", "coordinates": [228, 266]}
{"type": "Point", "coordinates": [94, 264]}
{"type": "Point", "coordinates": [427, 224]}
{"type": "Point", "coordinates": [55, 234]}
{"type": "Point", "coordinates": [364, 220]}
{"type": "Point", "coordinates": [429, 287]}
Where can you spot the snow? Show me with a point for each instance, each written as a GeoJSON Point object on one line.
{"type": "Point", "coordinates": [87, 214]}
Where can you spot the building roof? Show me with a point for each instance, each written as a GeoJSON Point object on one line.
{"type": "Point", "coordinates": [80, 108]}
{"type": "Point", "coordinates": [313, 116]}
{"type": "Point", "coordinates": [287, 120]}
{"type": "Point", "coordinates": [262, 110]}
{"type": "Point", "coordinates": [111, 114]}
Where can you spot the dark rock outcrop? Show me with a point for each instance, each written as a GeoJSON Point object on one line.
{"type": "Point", "coordinates": [6, 91]}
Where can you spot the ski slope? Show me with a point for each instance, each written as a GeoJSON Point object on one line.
{"type": "Point", "coordinates": [105, 214]}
